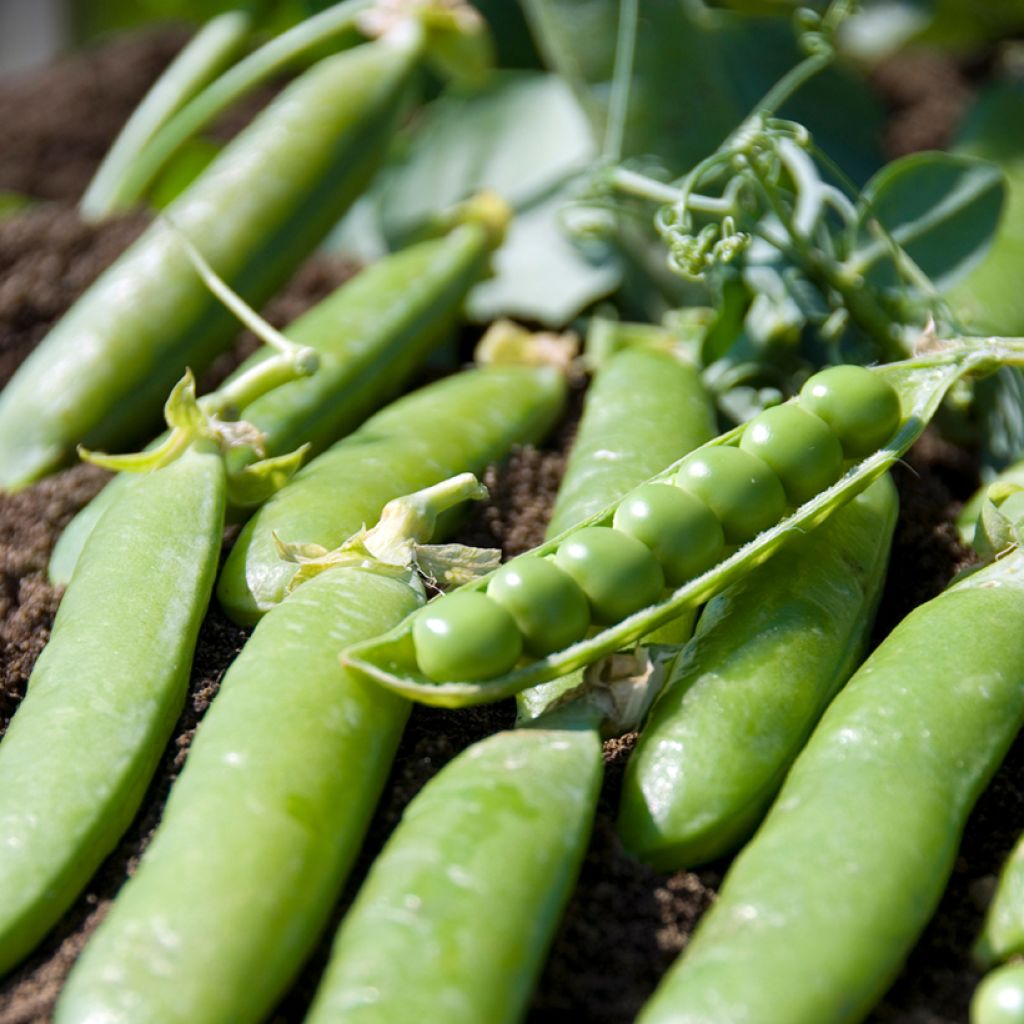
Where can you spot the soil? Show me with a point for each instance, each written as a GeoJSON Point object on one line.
{"type": "Point", "coordinates": [625, 923]}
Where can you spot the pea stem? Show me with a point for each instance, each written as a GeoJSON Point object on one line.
{"type": "Point", "coordinates": [304, 358]}
{"type": "Point", "coordinates": [618, 105]}
{"type": "Point", "coordinates": [414, 516]}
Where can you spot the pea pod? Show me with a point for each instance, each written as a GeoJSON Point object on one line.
{"type": "Point", "coordinates": [502, 830]}
{"type": "Point", "coordinates": [105, 692]}
{"type": "Point", "coordinates": [641, 401]}
{"type": "Point", "coordinates": [769, 654]}
{"type": "Point", "coordinates": [98, 378]}
{"type": "Point", "coordinates": [817, 913]}
{"type": "Point", "coordinates": [503, 826]}
{"type": "Point", "coordinates": [261, 827]}
{"type": "Point", "coordinates": [918, 383]}
{"type": "Point", "coordinates": [1003, 933]}
{"type": "Point", "coordinates": [111, 680]}
{"type": "Point", "coordinates": [370, 334]}
{"type": "Point", "coordinates": [458, 424]}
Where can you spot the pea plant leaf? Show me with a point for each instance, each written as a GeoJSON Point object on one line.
{"type": "Point", "coordinates": [525, 138]}
{"type": "Point", "coordinates": [697, 73]}
{"type": "Point", "coordinates": [941, 208]}
{"type": "Point", "coordinates": [989, 300]}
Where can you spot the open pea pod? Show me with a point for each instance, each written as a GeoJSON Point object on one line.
{"type": "Point", "coordinates": [920, 384]}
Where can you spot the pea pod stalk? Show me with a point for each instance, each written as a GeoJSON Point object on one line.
{"type": "Point", "coordinates": [369, 336]}
{"type": "Point", "coordinates": [818, 912]}
{"type": "Point", "coordinates": [98, 378]}
{"type": "Point", "coordinates": [920, 384]}
{"type": "Point", "coordinates": [265, 821]}
{"type": "Point", "coordinates": [108, 687]}
{"type": "Point", "coordinates": [769, 654]}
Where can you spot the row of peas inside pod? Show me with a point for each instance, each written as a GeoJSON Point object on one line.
{"type": "Point", "coordinates": [661, 535]}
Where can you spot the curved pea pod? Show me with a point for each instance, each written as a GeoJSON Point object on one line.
{"type": "Point", "coordinates": [501, 830]}
{"type": "Point", "coordinates": [641, 401]}
{"type": "Point", "coordinates": [100, 375]}
{"type": "Point", "coordinates": [105, 693]}
{"type": "Point", "coordinates": [370, 334]}
{"type": "Point", "coordinates": [770, 652]}
{"type": "Point", "coordinates": [262, 826]}
{"type": "Point", "coordinates": [818, 912]}
{"type": "Point", "coordinates": [461, 423]}
{"type": "Point", "coordinates": [919, 383]}
{"type": "Point", "coordinates": [1002, 934]}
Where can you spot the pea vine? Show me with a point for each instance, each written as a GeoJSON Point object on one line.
{"type": "Point", "coordinates": [778, 235]}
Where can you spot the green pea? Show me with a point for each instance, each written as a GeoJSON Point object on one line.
{"type": "Point", "coordinates": [549, 608]}
{"type": "Point", "coordinates": [801, 449]}
{"type": "Point", "coordinates": [681, 531]}
{"type": "Point", "coordinates": [465, 636]}
{"type": "Point", "coordinates": [741, 490]}
{"type": "Point", "coordinates": [999, 998]}
{"type": "Point", "coordinates": [857, 404]}
{"type": "Point", "coordinates": [618, 574]}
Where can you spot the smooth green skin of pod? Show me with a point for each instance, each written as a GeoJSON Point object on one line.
{"type": "Point", "coordinates": [768, 656]}
{"type": "Point", "coordinates": [741, 490]}
{"type": "Point", "coordinates": [458, 424]}
{"type": "Point", "coordinates": [999, 999]}
{"type": "Point", "coordinates": [819, 910]}
{"type": "Point", "coordinates": [455, 918]}
{"type": "Point", "coordinates": [799, 447]}
{"type": "Point", "coordinates": [469, 636]}
{"type": "Point", "coordinates": [639, 401]}
{"type": "Point", "coordinates": [371, 333]}
{"type": "Point", "coordinates": [548, 606]}
{"type": "Point", "coordinates": [858, 405]}
{"type": "Point", "coordinates": [105, 693]}
{"type": "Point", "coordinates": [101, 375]}
{"type": "Point", "coordinates": [618, 574]}
{"type": "Point", "coordinates": [681, 531]}
{"type": "Point", "coordinates": [261, 827]}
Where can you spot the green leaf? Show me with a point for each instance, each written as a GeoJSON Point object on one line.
{"type": "Point", "coordinates": [990, 300]}
{"type": "Point", "coordinates": [942, 208]}
{"type": "Point", "coordinates": [525, 138]}
{"type": "Point", "coordinates": [540, 273]}
{"type": "Point", "coordinates": [697, 74]}
{"type": "Point", "coordinates": [521, 137]}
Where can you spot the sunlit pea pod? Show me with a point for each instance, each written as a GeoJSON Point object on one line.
{"type": "Point", "coordinates": [503, 826]}
{"type": "Point", "coordinates": [770, 652]}
{"type": "Point", "coordinates": [819, 911]}
{"type": "Point", "coordinates": [105, 693]}
{"type": "Point", "coordinates": [920, 383]}
{"type": "Point", "coordinates": [370, 334]}
{"type": "Point", "coordinates": [262, 826]}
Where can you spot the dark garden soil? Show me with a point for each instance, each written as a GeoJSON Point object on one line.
{"type": "Point", "coordinates": [626, 923]}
